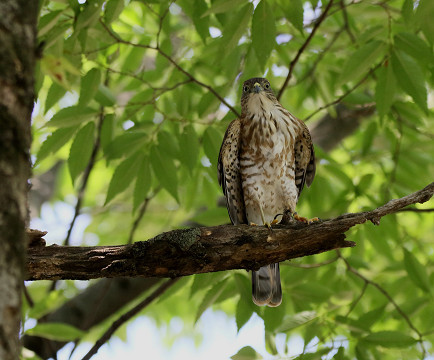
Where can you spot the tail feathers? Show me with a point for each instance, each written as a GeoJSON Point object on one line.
{"type": "Point", "coordinates": [266, 288]}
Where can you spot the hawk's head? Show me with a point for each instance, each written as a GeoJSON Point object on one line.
{"type": "Point", "coordinates": [257, 96]}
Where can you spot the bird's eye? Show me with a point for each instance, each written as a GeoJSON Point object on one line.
{"type": "Point", "coordinates": [267, 86]}
{"type": "Point", "coordinates": [245, 88]}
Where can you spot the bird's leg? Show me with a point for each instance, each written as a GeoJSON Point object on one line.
{"type": "Point", "coordinates": [266, 223]}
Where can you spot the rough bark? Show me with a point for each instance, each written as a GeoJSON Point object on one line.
{"type": "Point", "coordinates": [207, 249]}
{"type": "Point", "coordinates": [17, 48]}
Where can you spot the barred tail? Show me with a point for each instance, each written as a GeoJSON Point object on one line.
{"type": "Point", "coordinates": [266, 288]}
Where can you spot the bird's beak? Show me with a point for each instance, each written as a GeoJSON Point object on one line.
{"type": "Point", "coordinates": [257, 88]}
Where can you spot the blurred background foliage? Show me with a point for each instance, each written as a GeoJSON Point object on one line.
{"type": "Point", "coordinates": [133, 98]}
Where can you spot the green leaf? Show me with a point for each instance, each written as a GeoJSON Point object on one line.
{"type": "Point", "coordinates": [361, 61]}
{"type": "Point", "coordinates": [126, 144]}
{"type": "Point", "coordinates": [89, 86]}
{"type": "Point", "coordinates": [205, 281]}
{"type": "Point", "coordinates": [340, 354]}
{"type": "Point", "coordinates": [407, 11]}
{"type": "Point", "coordinates": [385, 90]}
{"type": "Point", "coordinates": [48, 21]}
{"type": "Point", "coordinates": [390, 339]}
{"type": "Point", "coordinates": [89, 15]}
{"type": "Point", "coordinates": [165, 170]}
{"type": "Point", "coordinates": [312, 292]}
{"type": "Point", "coordinates": [424, 17]}
{"type": "Point", "coordinates": [143, 183]}
{"type": "Point", "coordinates": [57, 67]}
{"type": "Point", "coordinates": [212, 140]}
{"type": "Point", "coordinates": [54, 142]}
{"type": "Point", "coordinates": [124, 174]}
{"type": "Point", "coordinates": [368, 137]}
{"type": "Point", "coordinates": [56, 331]}
{"type": "Point", "coordinates": [113, 8]}
{"type": "Point", "coordinates": [414, 46]}
{"type": "Point", "coordinates": [107, 130]}
{"type": "Point", "coordinates": [263, 32]}
{"type": "Point", "coordinates": [416, 271]}
{"type": "Point", "coordinates": [210, 297]}
{"type": "Point", "coordinates": [294, 12]}
{"type": "Point", "coordinates": [362, 352]}
{"type": "Point", "coordinates": [189, 148]}
{"type": "Point", "coordinates": [200, 22]}
{"type": "Point", "coordinates": [168, 144]}
{"type": "Point", "coordinates": [273, 317]}
{"type": "Point", "coordinates": [55, 93]}
{"type": "Point", "coordinates": [237, 26]}
{"type": "Point", "coordinates": [81, 150]}
{"type": "Point", "coordinates": [317, 355]}
{"type": "Point", "coordinates": [104, 96]}
{"type": "Point", "coordinates": [222, 6]}
{"type": "Point", "coordinates": [246, 353]}
{"type": "Point", "coordinates": [366, 320]}
{"type": "Point", "coordinates": [243, 313]}
{"type": "Point", "coordinates": [410, 77]}
{"type": "Point", "coordinates": [291, 322]}
{"type": "Point", "coordinates": [70, 116]}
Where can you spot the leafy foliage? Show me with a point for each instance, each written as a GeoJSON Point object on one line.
{"type": "Point", "coordinates": [151, 87]}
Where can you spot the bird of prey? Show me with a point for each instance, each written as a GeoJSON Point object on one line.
{"type": "Point", "coordinates": [265, 160]}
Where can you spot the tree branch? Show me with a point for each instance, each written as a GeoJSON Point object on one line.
{"type": "Point", "coordinates": [127, 316]}
{"type": "Point", "coordinates": [303, 47]}
{"type": "Point", "coordinates": [199, 250]}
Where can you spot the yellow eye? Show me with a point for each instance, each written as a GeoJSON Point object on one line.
{"type": "Point", "coordinates": [267, 86]}
{"type": "Point", "coordinates": [245, 88]}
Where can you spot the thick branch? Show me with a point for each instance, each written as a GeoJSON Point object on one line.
{"type": "Point", "coordinates": [207, 249]}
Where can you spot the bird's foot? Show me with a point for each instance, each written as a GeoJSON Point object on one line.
{"type": "Point", "coordinates": [297, 217]}
{"type": "Point", "coordinates": [274, 222]}
{"type": "Point", "coordinates": [268, 225]}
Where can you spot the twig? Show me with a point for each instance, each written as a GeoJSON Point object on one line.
{"type": "Point", "coordinates": [356, 301]}
{"type": "Point", "coordinates": [340, 98]}
{"type": "Point", "coordinates": [303, 47]}
{"type": "Point", "coordinates": [28, 297]}
{"type": "Point", "coordinates": [86, 175]}
{"type": "Point", "coordinates": [346, 23]}
{"type": "Point", "coordinates": [140, 215]}
{"type": "Point", "coordinates": [386, 294]}
{"type": "Point", "coordinates": [174, 63]}
{"type": "Point", "coordinates": [395, 156]}
{"type": "Point", "coordinates": [160, 26]}
{"type": "Point", "coordinates": [128, 315]}
{"type": "Point", "coordinates": [416, 210]}
{"type": "Point", "coordinates": [311, 266]}
{"type": "Point", "coordinates": [320, 57]}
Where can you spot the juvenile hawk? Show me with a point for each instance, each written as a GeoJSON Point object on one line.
{"type": "Point", "coordinates": [265, 159]}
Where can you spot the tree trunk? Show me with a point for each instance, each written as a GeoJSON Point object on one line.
{"type": "Point", "coordinates": [17, 60]}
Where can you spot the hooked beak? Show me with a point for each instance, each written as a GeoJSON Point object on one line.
{"type": "Point", "coordinates": [257, 88]}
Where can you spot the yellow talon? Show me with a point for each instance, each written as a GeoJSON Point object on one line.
{"type": "Point", "coordinates": [303, 219]}
{"type": "Point", "coordinates": [300, 218]}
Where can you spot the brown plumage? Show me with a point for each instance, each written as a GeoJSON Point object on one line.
{"type": "Point", "coordinates": [265, 160]}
